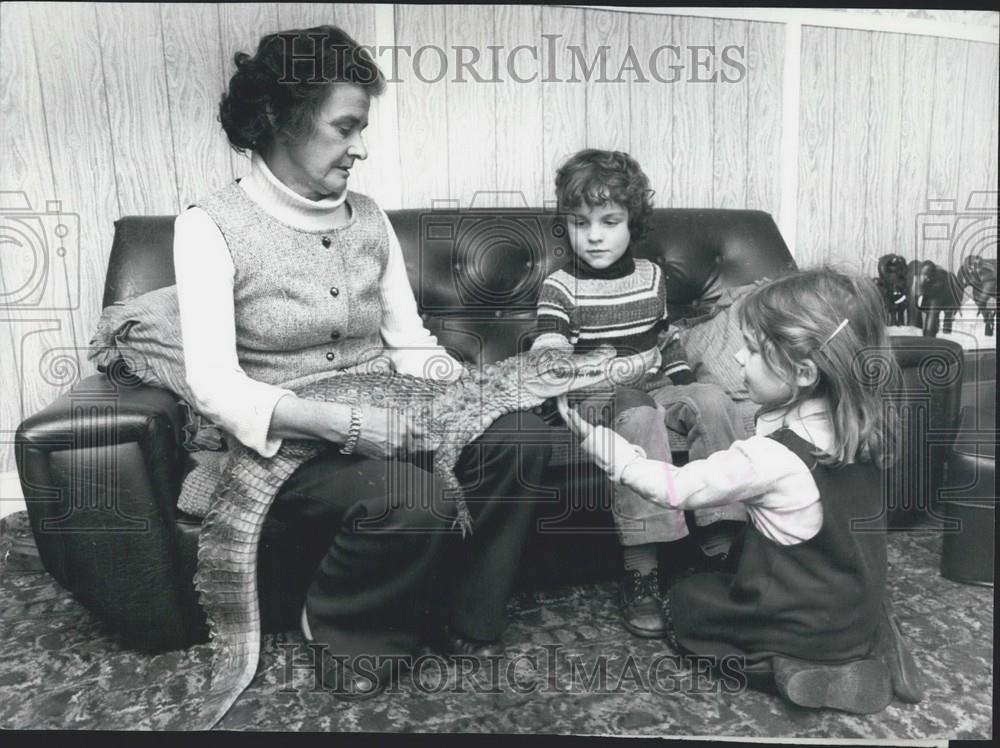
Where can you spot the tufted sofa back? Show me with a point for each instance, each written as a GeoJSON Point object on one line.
{"type": "Point", "coordinates": [476, 274]}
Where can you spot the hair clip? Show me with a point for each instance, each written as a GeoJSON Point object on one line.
{"type": "Point", "coordinates": [833, 334]}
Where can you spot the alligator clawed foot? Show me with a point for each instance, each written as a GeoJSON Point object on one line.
{"type": "Point", "coordinates": [464, 521]}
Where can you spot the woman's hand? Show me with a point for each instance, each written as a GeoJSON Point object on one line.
{"type": "Point", "coordinates": [388, 433]}
{"type": "Point", "coordinates": [384, 433]}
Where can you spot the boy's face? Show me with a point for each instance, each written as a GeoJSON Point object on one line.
{"type": "Point", "coordinates": [599, 236]}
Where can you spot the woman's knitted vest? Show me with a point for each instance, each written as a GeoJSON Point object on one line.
{"type": "Point", "coordinates": [306, 302]}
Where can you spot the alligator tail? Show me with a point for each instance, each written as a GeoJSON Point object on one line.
{"type": "Point", "coordinates": [227, 569]}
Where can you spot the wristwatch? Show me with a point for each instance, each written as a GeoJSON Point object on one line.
{"type": "Point", "coordinates": [353, 432]}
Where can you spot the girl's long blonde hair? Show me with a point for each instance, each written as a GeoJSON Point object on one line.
{"type": "Point", "coordinates": [801, 316]}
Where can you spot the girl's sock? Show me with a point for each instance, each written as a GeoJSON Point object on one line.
{"type": "Point", "coordinates": [642, 558]}
{"type": "Point", "coordinates": [716, 538]}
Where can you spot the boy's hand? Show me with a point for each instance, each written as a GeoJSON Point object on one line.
{"type": "Point", "coordinates": [609, 451]}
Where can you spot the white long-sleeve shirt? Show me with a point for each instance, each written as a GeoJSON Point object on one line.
{"type": "Point", "coordinates": [205, 275]}
{"type": "Point", "coordinates": [777, 487]}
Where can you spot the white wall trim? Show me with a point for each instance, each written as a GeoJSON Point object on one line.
{"type": "Point", "coordinates": [788, 212]}
{"type": "Point", "coordinates": [11, 496]}
{"type": "Point", "coordinates": [826, 18]}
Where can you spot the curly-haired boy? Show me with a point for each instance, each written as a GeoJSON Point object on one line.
{"type": "Point", "coordinates": [604, 295]}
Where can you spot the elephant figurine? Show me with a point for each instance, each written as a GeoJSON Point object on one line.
{"type": "Point", "coordinates": [981, 275]}
{"type": "Point", "coordinates": [891, 283]}
{"type": "Point", "coordinates": [934, 291]}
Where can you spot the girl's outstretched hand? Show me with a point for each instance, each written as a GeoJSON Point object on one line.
{"type": "Point", "coordinates": [577, 425]}
{"type": "Point", "coordinates": [609, 451]}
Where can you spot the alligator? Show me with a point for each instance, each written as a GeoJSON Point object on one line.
{"type": "Point", "coordinates": [451, 415]}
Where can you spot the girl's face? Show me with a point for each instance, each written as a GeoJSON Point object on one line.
{"type": "Point", "coordinates": [766, 386]}
{"type": "Point", "coordinates": [599, 236]}
{"type": "Point", "coordinates": [318, 165]}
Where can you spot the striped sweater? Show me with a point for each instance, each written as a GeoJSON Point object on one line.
{"type": "Point", "coordinates": [623, 305]}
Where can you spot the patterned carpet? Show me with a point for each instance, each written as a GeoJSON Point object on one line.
{"type": "Point", "coordinates": [61, 670]}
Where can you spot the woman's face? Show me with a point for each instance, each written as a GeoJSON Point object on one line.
{"type": "Point", "coordinates": [319, 164]}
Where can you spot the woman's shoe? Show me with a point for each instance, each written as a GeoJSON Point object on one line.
{"type": "Point", "coordinates": [339, 678]}
{"type": "Point", "coordinates": [304, 625]}
{"type": "Point", "coordinates": [346, 684]}
{"type": "Point", "coordinates": [860, 686]}
{"type": "Point", "coordinates": [453, 643]}
{"type": "Point", "coordinates": [641, 604]}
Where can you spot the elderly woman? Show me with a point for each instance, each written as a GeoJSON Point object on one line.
{"type": "Point", "coordinates": [286, 276]}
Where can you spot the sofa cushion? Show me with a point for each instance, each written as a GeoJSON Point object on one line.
{"type": "Point", "coordinates": [712, 342]}
{"type": "Point", "coordinates": [143, 331]}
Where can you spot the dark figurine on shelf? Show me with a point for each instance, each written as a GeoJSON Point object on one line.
{"type": "Point", "coordinates": [981, 275]}
{"type": "Point", "coordinates": [891, 284]}
{"type": "Point", "coordinates": [934, 291]}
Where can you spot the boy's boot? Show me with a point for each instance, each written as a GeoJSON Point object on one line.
{"type": "Point", "coordinates": [639, 598]}
{"type": "Point", "coordinates": [641, 604]}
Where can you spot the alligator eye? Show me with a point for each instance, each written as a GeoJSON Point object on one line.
{"type": "Point", "coordinates": [561, 372]}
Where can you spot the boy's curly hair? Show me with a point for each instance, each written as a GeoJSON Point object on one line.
{"type": "Point", "coordinates": [597, 177]}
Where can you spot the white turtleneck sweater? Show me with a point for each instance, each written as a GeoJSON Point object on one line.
{"type": "Point", "coordinates": [205, 275]}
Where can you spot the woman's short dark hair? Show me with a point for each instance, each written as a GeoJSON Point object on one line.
{"type": "Point", "coordinates": [278, 90]}
{"type": "Point", "coordinates": [597, 177]}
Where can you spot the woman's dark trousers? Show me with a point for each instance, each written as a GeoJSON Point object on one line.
{"type": "Point", "coordinates": [378, 545]}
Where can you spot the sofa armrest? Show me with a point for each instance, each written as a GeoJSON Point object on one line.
{"type": "Point", "coordinates": [100, 472]}
{"type": "Point", "coordinates": [138, 409]}
{"type": "Point", "coordinates": [928, 406]}
{"type": "Point", "coordinates": [932, 371]}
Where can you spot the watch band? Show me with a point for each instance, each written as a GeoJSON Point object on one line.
{"type": "Point", "coordinates": [353, 432]}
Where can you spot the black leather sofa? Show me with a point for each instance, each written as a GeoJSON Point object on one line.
{"type": "Point", "coordinates": [101, 466]}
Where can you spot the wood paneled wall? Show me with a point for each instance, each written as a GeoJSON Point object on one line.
{"type": "Point", "coordinates": [701, 144]}
{"type": "Point", "coordinates": [891, 127]}
{"type": "Point", "coordinates": [111, 109]}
